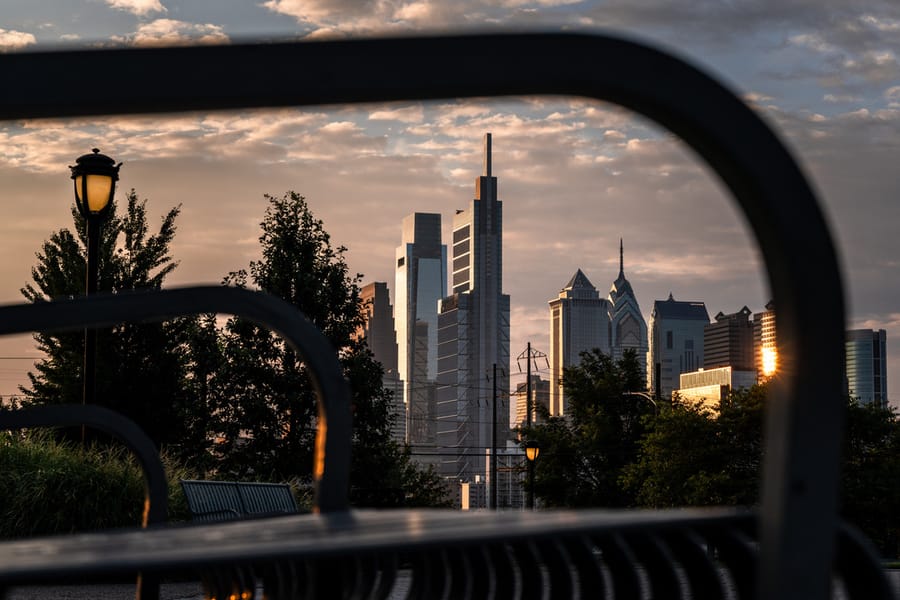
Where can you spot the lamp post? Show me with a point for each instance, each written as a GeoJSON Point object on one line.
{"type": "Point", "coordinates": [531, 453]}
{"type": "Point", "coordinates": [95, 177]}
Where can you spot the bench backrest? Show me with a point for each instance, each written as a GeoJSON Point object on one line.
{"type": "Point", "coordinates": [211, 501]}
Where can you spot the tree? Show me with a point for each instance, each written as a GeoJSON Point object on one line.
{"type": "Point", "coordinates": [870, 482]}
{"type": "Point", "coordinates": [583, 455]}
{"type": "Point", "coordinates": [265, 402]}
{"type": "Point", "coordinates": [692, 455]}
{"type": "Point", "coordinates": [142, 370]}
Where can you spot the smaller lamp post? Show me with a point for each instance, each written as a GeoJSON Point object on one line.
{"type": "Point", "coordinates": [95, 177]}
{"type": "Point", "coordinates": [531, 453]}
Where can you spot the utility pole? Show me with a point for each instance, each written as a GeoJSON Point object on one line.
{"type": "Point", "coordinates": [530, 355]}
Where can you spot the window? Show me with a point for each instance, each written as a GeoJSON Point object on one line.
{"type": "Point", "coordinates": [669, 340]}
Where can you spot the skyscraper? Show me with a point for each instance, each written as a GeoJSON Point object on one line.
{"type": "Point", "coordinates": [729, 342]}
{"type": "Point", "coordinates": [421, 276]}
{"type": "Point", "coordinates": [378, 328]}
{"type": "Point", "coordinates": [866, 351]}
{"type": "Point", "coordinates": [473, 335]}
{"type": "Point", "coordinates": [676, 342]}
{"type": "Point", "coordinates": [540, 396]}
{"type": "Point", "coordinates": [627, 327]}
{"type": "Point", "coordinates": [378, 331]}
{"type": "Point", "coordinates": [765, 351]}
{"type": "Point", "coordinates": [579, 322]}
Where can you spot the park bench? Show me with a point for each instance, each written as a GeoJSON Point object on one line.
{"type": "Point", "coordinates": [793, 546]}
{"type": "Point", "coordinates": [211, 501]}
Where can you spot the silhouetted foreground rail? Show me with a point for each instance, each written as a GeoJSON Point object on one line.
{"type": "Point", "coordinates": [797, 543]}
{"type": "Point", "coordinates": [676, 553]}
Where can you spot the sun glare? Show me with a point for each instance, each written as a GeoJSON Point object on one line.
{"type": "Point", "coordinates": [769, 361]}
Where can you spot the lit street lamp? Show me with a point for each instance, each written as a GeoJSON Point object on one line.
{"type": "Point", "coordinates": [531, 453]}
{"type": "Point", "coordinates": [95, 177]}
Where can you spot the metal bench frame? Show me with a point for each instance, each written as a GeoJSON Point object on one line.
{"type": "Point", "coordinates": [798, 517]}
{"type": "Point", "coordinates": [211, 501]}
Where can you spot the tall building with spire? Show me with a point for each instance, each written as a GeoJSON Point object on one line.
{"type": "Point", "coordinates": [579, 322]}
{"type": "Point", "coordinates": [421, 281]}
{"type": "Point", "coordinates": [473, 336]}
{"type": "Point", "coordinates": [628, 329]}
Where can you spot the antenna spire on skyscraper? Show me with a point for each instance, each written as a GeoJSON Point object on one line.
{"type": "Point", "coordinates": [621, 259]}
{"type": "Point", "coordinates": [487, 154]}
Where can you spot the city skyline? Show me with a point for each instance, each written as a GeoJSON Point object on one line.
{"type": "Point", "coordinates": [577, 175]}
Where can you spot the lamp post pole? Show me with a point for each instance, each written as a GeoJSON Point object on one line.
{"type": "Point", "coordinates": [90, 334]}
{"type": "Point", "coordinates": [95, 177]}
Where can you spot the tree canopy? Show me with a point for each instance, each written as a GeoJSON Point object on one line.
{"type": "Point", "coordinates": [265, 405]}
{"type": "Point", "coordinates": [612, 451]}
{"type": "Point", "coordinates": [142, 368]}
{"type": "Point", "coordinates": [584, 453]}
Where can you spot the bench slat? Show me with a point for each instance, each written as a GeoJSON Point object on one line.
{"type": "Point", "coordinates": [213, 501]}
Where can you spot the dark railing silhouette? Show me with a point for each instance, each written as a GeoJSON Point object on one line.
{"type": "Point", "coordinates": [791, 547]}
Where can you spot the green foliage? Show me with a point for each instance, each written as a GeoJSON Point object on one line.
{"type": "Point", "coordinates": [265, 404]}
{"type": "Point", "coordinates": [871, 475]}
{"type": "Point", "coordinates": [584, 454]}
{"type": "Point", "coordinates": [142, 369]}
{"type": "Point", "coordinates": [51, 487]}
{"type": "Point", "coordinates": [694, 456]}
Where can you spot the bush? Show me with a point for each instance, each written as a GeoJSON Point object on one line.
{"type": "Point", "coordinates": [52, 487]}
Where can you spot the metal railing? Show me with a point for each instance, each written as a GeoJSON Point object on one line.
{"type": "Point", "coordinates": [797, 522]}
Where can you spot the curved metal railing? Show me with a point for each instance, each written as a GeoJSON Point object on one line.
{"type": "Point", "coordinates": [797, 520]}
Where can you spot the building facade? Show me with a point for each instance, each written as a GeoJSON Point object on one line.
{"type": "Point", "coordinates": [765, 351]}
{"type": "Point", "coordinates": [511, 470]}
{"type": "Point", "coordinates": [540, 396]}
{"type": "Point", "coordinates": [473, 336]}
{"type": "Point", "coordinates": [378, 331]}
{"type": "Point", "coordinates": [421, 276]}
{"type": "Point", "coordinates": [709, 386]}
{"type": "Point", "coordinates": [676, 343]}
{"type": "Point", "coordinates": [579, 322]}
{"type": "Point", "coordinates": [728, 342]}
{"type": "Point", "coordinates": [627, 327]}
{"type": "Point", "coordinates": [866, 352]}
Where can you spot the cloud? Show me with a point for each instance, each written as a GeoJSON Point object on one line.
{"type": "Point", "coordinates": [138, 7]}
{"type": "Point", "coordinates": [841, 98]}
{"type": "Point", "coordinates": [15, 40]}
{"type": "Point", "coordinates": [404, 114]}
{"type": "Point", "coordinates": [170, 32]}
{"type": "Point", "coordinates": [892, 95]}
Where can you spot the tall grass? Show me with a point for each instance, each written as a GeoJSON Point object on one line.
{"type": "Point", "coordinates": [49, 487]}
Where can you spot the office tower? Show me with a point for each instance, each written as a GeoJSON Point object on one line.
{"type": "Point", "coordinates": [676, 343]}
{"type": "Point", "coordinates": [378, 331]}
{"type": "Point", "coordinates": [421, 276]}
{"type": "Point", "coordinates": [540, 396]}
{"type": "Point", "coordinates": [866, 351]}
{"type": "Point", "coordinates": [473, 336]}
{"type": "Point", "coordinates": [579, 322]}
{"type": "Point", "coordinates": [627, 326]}
{"type": "Point", "coordinates": [378, 328]}
{"type": "Point", "coordinates": [728, 342]}
{"type": "Point", "coordinates": [765, 352]}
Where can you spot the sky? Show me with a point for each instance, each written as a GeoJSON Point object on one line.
{"type": "Point", "coordinates": [575, 175]}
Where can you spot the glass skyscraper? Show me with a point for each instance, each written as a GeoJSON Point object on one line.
{"type": "Point", "coordinates": [867, 366]}
{"type": "Point", "coordinates": [421, 276]}
{"type": "Point", "coordinates": [473, 336]}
